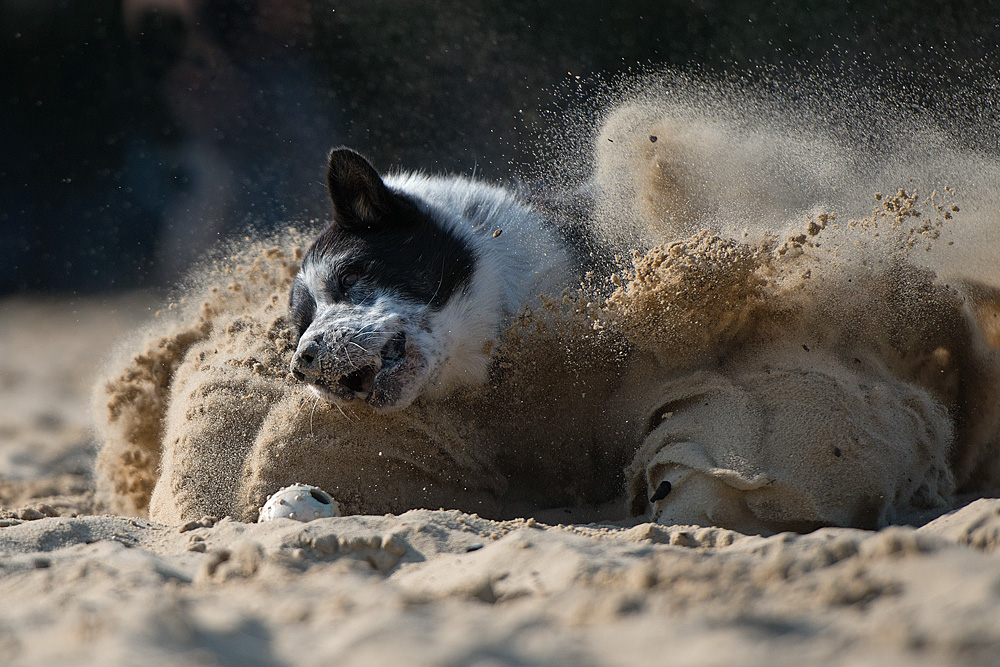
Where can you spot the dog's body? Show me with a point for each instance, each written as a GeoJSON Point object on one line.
{"type": "Point", "coordinates": [405, 292]}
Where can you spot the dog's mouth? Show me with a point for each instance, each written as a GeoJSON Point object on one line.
{"type": "Point", "coordinates": [359, 382]}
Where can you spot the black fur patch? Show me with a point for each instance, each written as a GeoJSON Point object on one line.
{"type": "Point", "coordinates": [386, 239]}
{"type": "Point", "coordinates": [413, 257]}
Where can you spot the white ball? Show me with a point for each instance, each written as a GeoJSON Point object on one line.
{"type": "Point", "coordinates": [300, 502]}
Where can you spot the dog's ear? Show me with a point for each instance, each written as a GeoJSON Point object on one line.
{"type": "Point", "coordinates": [360, 199]}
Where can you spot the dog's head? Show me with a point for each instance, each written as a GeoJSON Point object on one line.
{"type": "Point", "coordinates": [364, 301]}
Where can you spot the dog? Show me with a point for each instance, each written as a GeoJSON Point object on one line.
{"type": "Point", "coordinates": [407, 289]}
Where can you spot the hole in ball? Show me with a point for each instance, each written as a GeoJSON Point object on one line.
{"type": "Point", "coordinates": [320, 497]}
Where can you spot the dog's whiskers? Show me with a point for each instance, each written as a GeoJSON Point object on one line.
{"type": "Point", "coordinates": [311, 413]}
{"type": "Point", "coordinates": [302, 404]}
{"type": "Point", "coordinates": [357, 346]}
{"type": "Point", "coordinates": [341, 410]}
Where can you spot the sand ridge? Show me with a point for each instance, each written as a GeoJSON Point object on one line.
{"type": "Point", "coordinates": [454, 587]}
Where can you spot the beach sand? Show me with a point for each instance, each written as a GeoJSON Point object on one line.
{"type": "Point", "coordinates": [818, 382]}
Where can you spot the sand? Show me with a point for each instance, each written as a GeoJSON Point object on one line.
{"type": "Point", "coordinates": [815, 385]}
{"type": "Point", "coordinates": [442, 587]}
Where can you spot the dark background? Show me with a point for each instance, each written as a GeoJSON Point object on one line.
{"type": "Point", "coordinates": [134, 133]}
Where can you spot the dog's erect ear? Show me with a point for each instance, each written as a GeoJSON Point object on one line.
{"type": "Point", "coordinates": [360, 198]}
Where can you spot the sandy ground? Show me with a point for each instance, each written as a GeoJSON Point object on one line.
{"type": "Point", "coordinates": [436, 587]}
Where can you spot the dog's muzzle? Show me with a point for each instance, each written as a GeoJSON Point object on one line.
{"type": "Point", "coordinates": [347, 370]}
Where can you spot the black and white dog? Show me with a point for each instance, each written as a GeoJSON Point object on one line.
{"type": "Point", "coordinates": [405, 292]}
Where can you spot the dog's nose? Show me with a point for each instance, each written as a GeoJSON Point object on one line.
{"type": "Point", "coordinates": [305, 359]}
{"type": "Point", "coordinates": [307, 354]}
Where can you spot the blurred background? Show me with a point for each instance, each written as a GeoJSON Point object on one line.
{"type": "Point", "coordinates": [135, 133]}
